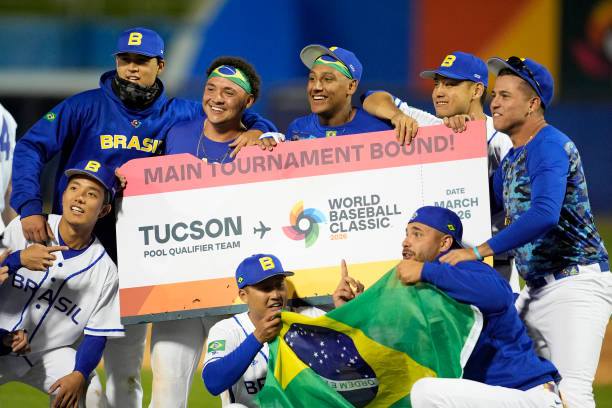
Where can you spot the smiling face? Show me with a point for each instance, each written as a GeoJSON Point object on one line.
{"type": "Point", "coordinates": [329, 92]}
{"type": "Point", "coordinates": [453, 97]}
{"type": "Point", "coordinates": [424, 243]}
{"type": "Point", "coordinates": [511, 103]}
{"type": "Point", "coordinates": [139, 69]}
{"type": "Point", "coordinates": [224, 101]}
{"type": "Point", "coordinates": [83, 202]}
{"type": "Point", "coordinates": [268, 294]}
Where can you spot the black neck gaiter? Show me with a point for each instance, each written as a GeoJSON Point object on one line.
{"type": "Point", "coordinates": [135, 96]}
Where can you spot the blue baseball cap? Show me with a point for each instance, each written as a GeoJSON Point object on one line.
{"type": "Point", "coordinates": [142, 41]}
{"type": "Point", "coordinates": [441, 219]}
{"type": "Point", "coordinates": [462, 66]}
{"type": "Point", "coordinates": [313, 52]}
{"type": "Point", "coordinates": [94, 170]}
{"type": "Point", "coordinates": [536, 75]}
{"type": "Point", "coordinates": [257, 268]}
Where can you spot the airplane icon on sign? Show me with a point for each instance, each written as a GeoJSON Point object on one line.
{"type": "Point", "coordinates": [262, 230]}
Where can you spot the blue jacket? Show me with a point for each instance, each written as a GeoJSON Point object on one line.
{"type": "Point", "coordinates": [96, 125]}
{"type": "Point", "coordinates": [503, 355]}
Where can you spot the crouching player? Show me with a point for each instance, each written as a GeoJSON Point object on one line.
{"type": "Point", "coordinates": [237, 348]}
{"type": "Point", "coordinates": [59, 293]}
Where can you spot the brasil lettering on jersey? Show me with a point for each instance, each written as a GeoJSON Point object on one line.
{"type": "Point", "coordinates": [146, 145]}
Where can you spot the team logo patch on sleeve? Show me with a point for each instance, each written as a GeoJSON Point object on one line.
{"type": "Point", "coordinates": [50, 117]}
{"type": "Point", "coordinates": [217, 345]}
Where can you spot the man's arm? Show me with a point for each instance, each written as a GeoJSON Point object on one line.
{"type": "Point", "coordinates": [223, 368]}
{"type": "Point", "coordinates": [8, 213]}
{"type": "Point", "coordinates": [467, 283]}
{"type": "Point", "coordinates": [256, 126]}
{"type": "Point", "coordinates": [32, 151]}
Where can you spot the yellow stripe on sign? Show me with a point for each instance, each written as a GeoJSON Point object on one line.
{"type": "Point", "coordinates": [395, 380]}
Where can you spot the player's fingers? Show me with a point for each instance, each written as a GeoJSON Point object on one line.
{"type": "Point", "coordinates": [360, 287]}
{"type": "Point", "coordinates": [346, 293]}
{"type": "Point", "coordinates": [236, 150]}
{"type": "Point", "coordinates": [236, 141]}
{"type": "Point", "coordinates": [343, 269]}
{"type": "Point", "coordinates": [56, 248]}
{"type": "Point", "coordinates": [413, 131]}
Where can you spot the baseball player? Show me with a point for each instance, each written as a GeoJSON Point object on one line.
{"type": "Point", "coordinates": [333, 79]}
{"type": "Point", "coordinates": [237, 348]}
{"type": "Point", "coordinates": [460, 88]}
{"type": "Point", "coordinates": [503, 369]}
{"type": "Point", "coordinates": [59, 293]}
{"type": "Point", "coordinates": [8, 127]}
{"type": "Point", "coordinates": [176, 346]}
{"type": "Point", "coordinates": [127, 117]}
{"type": "Point", "coordinates": [567, 301]}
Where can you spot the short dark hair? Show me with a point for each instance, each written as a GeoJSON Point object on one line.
{"type": "Point", "coordinates": [242, 65]}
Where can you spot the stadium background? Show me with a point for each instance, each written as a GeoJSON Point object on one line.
{"type": "Point", "coordinates": [55, 48]}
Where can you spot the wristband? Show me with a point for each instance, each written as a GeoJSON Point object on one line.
{"type": "Point", "coordinates": [478, 256]}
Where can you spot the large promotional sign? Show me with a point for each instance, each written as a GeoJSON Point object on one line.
{"type": "Point", "coordinates": [184, 225]}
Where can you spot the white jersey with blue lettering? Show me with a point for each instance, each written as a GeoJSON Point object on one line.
{"type": "Point", "coordinates": [230, 333]}
{"type": "Point", "coordinates": [75, 296]}
{"type": "Point", "coordinates": [8, 128]}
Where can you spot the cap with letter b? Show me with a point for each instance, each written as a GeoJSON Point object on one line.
{"type": "Point", "coordinates": [94, 170]}
{"type": "Point", "coordinates": [461, 66]}
{"type": "Point", "coordinates": [257, 268]}
{"type": "Point", "coordinates": [141, 41]}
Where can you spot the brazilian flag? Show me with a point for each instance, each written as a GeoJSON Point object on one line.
{"type": "Point", "coordinates": [370, 351]}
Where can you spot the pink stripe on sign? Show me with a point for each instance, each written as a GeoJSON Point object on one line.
{"type": "Point", "coordinates": [305, 158]}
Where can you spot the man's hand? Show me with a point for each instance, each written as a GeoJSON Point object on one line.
{"type": "Point", "coordinates": [348, 288]}
{"type": "Point", "coordinates": [36, 229]}
{"type": "Point", "coordinates": [269, 326]}
{"type": "Point", "coordinates": [457, 122]}
{"type": "Point", "coordinates": [121, 177]}
{"type": "Point", "coordinates": [38, 257]}
{"type": "Point", "coordinates": [409, 271]}
{"type": "Point", "coordinates": [269, 140]}
{"type": "Point", "coordinates": [4, 269]}
{"type": "Point", "coordinates": [457, 255]}
{"type": "Point", "coordinates": [17, 341]}
{"type": "Point", "coordinates": [71, 388]}
{"type": "Point", "coordinates": [247, 138]}
{"type": "Point", "coordinates": [405, 127]}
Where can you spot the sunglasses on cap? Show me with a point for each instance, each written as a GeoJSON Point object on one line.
{"type": "Point", "coordinates": [519, 65]}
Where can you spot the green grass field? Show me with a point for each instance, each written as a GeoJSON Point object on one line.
{"type": "Point", "coordinates": [16, 395]}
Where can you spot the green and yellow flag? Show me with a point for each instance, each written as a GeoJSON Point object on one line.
{"type": "Point", "coordinates": [369, 352]}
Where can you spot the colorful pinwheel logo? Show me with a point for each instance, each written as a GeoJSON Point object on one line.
{"type": "Point", "coordinates": [304, 224]}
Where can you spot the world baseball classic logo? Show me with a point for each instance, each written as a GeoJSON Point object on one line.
{"type": "Point", "coordinates": [304, 224]}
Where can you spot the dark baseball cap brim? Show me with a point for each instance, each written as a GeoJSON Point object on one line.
{"type": "Point", "coordinates": [284, 273]}
{"type": "Point", "coordinates": [146, 54]}
{"type": "Point", "coordinates": [78, 172]}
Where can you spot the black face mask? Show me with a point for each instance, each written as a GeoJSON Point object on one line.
{"type": "Point", "coordinates": [135, 96]}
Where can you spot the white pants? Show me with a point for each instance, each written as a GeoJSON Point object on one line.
{"type": "Point", "coordinates": [567, 321]}
{"type": "Point", "coordinates": [460, 393]}
{"type": "Point", "coordinates": [122, 363]}
{"type": "Point", "coordinates": [47, 368]}
{"type": "Point", "coordinates": [176, 348]}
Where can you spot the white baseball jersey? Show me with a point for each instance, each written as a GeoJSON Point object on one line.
{"type": "Point", "coordinates": [74, 296]}
{"type": "Point", "coordinates": [225, 336]}
{"type": "Point", "coordinates": [8, 127]}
